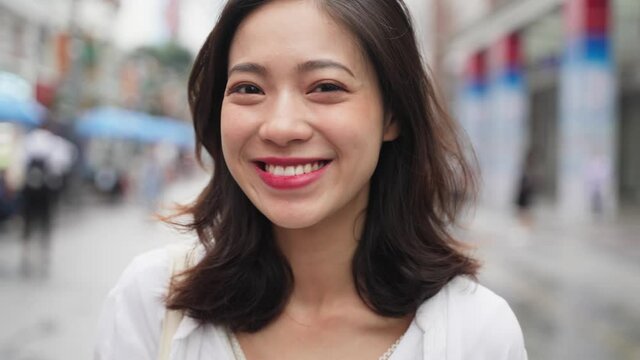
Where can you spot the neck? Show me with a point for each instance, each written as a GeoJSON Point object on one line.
{"type": "Point", "coordinates": [321, 257]}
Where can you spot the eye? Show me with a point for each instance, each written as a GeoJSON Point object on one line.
{"type": "Point", "coordinates": [246, 89]}
{"type": "Point", "coordinates": [327, 87]}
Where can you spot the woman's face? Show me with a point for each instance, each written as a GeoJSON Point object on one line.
{"type": "Point", "coordinates": [302, 117]}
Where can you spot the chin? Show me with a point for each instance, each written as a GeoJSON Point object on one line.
{"type": "Point", "coordinates": [292, 221]}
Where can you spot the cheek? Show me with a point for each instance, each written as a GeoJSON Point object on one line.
{"type": "Point", "coordinates": [235, 130]}
{"type": "Point", "coordinates": [358, 144]}
{"type": "Point", "coordinates": [235, 133]}
{"type": "Point", "coordinates": [226, 137]}
{"type": "Point", "coordinates": [356, 129]}
{"type": "Point", "coordinates": [232, 143]}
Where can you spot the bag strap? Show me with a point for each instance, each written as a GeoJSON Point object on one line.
{"type": "Point", "coordinates": [178, 254]}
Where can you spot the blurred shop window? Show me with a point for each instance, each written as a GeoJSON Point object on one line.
{"type": "Point", "coordinates": [18, 39]}
{"type": "Point", "coordinates": [5, 35]}
{"type": "Point", "coordinates": [89, 53]}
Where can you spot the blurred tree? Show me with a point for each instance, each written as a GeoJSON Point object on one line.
{"type": "Point", "coordinates": [170, 55]}
{"type": "Point", "coordinates": [163, 71]}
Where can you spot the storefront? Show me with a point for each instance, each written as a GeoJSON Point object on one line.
{"type": "Point", "coordinates": [580, 86]}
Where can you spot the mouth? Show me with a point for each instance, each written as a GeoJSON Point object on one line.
{"type": "Point", "coordinates": [288, 168]}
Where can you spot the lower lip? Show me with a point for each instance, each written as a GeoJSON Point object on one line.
{"type": "Point", "coordinates": [290, 182]}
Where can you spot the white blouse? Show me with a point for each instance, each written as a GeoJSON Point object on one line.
{"type": "Point", "coordinates": [464, 321]}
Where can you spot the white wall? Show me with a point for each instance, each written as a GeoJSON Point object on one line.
{"type": "Point", "coordinates": [423, 14]}
{"type": "Point", "coordinates": [468, 12]}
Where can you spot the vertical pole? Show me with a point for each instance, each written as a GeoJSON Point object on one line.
{"type": "Point", "coordinates": [508, 120]}
{"type": "Point", "coordinates": [72, 86]}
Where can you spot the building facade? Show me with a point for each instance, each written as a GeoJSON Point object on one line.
{"type": "Point", "coordinates": [556, 78]}
{"type": "Point", "coordinates": [48, 42]}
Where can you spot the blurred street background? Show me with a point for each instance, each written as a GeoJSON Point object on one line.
{"type": "Point", "coordinates": [95, 137]}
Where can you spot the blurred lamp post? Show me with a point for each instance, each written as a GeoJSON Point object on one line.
{"type": "Point", "coordinates": [72, 84]}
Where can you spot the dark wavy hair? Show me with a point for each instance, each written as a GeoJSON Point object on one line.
{"type": "Point", "coordinates": [406, 253]}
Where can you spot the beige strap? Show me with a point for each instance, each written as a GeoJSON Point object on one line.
{"type": "Point", "coordinates": [178, 254]}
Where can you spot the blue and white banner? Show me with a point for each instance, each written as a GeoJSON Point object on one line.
{"type": "Point", "coordinates": [588, 114]}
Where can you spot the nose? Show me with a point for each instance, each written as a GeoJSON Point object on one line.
{"type": "Point", "coordinates": [286, 121]}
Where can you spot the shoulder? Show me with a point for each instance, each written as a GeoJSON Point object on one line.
{"type": "Point", "coordinates": [132, 314]}
{"type": "Point", "coordinates": [148, 274]}
{"type": "Point", "coordinates": [466, 296]}
{"type": "Point", "coordinates": [148, 270]}
{"type": "Point", "coordinates": [478, 323]}
{"type": "Point", "coordinates": [477, 307]}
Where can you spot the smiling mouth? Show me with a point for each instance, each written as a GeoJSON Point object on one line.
{"type": "Point", "coordinates": [292, 170]}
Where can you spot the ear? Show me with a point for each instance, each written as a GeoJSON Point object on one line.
{"type": "Point", "coordinates": [391, 128]}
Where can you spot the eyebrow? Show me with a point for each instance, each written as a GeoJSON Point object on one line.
{"type": "Point", "coordinates": [307, 66]}
{"type": "Point", "coordinates": [248, 68]}
{"type": "Point", "coordinates": [323, 64]}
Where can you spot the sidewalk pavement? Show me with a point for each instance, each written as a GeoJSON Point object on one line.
{"type": "Point", "coordinates": [574, 287]}
{"type": "Point", "coordinates": [55, 318]}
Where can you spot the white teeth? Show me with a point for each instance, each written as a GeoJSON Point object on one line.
{"type": "Point", "coordinates": [293, 170]}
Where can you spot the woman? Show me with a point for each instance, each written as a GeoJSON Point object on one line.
{"type": "Point", "coordinates": [335, 186]}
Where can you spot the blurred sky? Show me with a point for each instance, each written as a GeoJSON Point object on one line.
{"type": "Point", "coordinates": [142, 22]}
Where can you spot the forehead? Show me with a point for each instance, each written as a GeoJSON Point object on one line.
{"type": "Point", "coordinates": [294, 30]}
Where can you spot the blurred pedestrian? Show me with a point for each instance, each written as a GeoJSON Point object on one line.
{"type": "Point", "coordinates": [10, 173]}
{"type": "Point", "coordinates": [7, 201]}
{"type": "Point", "coordinates": [153, 178]}
{"type": "Point", "coordinates": [110, 182]}
{"type": "Point", "coordinates": [46, 157]}
{"type": "Point", "coordinates": [598, 174]}
{"type": "Point", "coordinates": [526, 190]}
{"type": "Point", "coordinates": [37, 207]}
{"type": "Point", "coordinates": [325, 229]}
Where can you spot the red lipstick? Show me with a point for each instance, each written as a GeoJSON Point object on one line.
{"type": "Point", "coordinates": [289, 182]}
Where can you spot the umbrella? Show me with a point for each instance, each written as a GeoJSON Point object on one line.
{"type": "Point", "coordinates": [175, 132]}
{"type": "Point", "coordinates": [111, 122]}
{"type": "Point", "coordinates": [24, 111]}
